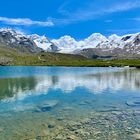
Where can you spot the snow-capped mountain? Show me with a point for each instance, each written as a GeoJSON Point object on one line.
{"type": "Point", "coordinates": [67, 44]}
{"type": "Point", "coordinates": [15, 39]}
{"type": "Point", "coordinates": [93, 40]}
{"type": "Point", "coordinates": [96, 43]}
{"type": "Point", "coordinates": [43, 43]}
{"type": "Point", "coordinates": [129, 43]}
{"type": "Point", "coordinates": [132, 43]}
{"type": "Point", "coordinates": [32, 43]}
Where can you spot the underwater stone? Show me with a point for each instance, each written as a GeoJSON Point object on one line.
{"type": "Point", "coordinates": [68, 108]}
{"type": "Point", "coordinates": [47, 106]}
{"type": "Point", "coordinates": [72, 128]}
{"type": "Point", "coordinates": [1, 129]}
{"type": "Point", "coordinates": [38, 138]}
{"type": "Point", "coordinates": [60, 119]}
{"type": "Point", "coordinates": [71, 137]}
{"type": "Point", "coordinates": [50, 126]}
{"type": "Point", "coordinates": [116, 112]}
{"type": "Point", "coordinates": [136, 136]}
{"type": "Point", "coordinates": [132, 103]}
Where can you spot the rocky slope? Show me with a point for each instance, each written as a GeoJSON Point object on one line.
{"type": "Point", "coordinates": [95, 46]}
{"type": "Point", "coordinates": [44, 43]}
{"type": "Point", "coordinates": [11, 38]}
{"type": "Point", "coordinates": [127, 46]}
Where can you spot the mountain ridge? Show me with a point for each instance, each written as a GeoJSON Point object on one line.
{"type": "Point", "coordinates": [94, 46]}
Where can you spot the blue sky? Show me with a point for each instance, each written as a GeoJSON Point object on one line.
{"type": "Point", "coordinates": [77, 18]}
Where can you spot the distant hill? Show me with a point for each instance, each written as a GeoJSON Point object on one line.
{"type": "Point", "coordinates": [12, 56]}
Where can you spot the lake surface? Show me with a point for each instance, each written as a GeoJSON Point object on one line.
{"type": "Point", "coordinates": [65, 103]}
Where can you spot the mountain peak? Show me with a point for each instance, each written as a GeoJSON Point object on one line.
{"type": "Point", "coordinates": [96, 36]}
{"type": "Point", "coordinates": [114, 37]}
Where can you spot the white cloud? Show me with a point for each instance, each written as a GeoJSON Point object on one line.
{"type": "Point", "coordinates": [25, 22]}
{"type": "Point", "coordinates": [91, 11]}
{"type": "Point", "coordinates": [120, 7]}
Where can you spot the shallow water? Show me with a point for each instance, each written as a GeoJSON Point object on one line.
{"type": "Point", "coordinates": [65, 103]}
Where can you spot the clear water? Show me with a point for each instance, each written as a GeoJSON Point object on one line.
{"type": "Point", "coordinates": [65, 103]}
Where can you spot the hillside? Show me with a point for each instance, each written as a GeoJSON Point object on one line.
{"type": "Point", "coordinates": [12, 57]}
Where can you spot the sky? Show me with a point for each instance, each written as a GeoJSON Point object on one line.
{"type": "Point", "coordinates": [77, 18]}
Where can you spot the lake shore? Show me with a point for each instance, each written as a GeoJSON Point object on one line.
{"type": "Point", "coordinates": [14, 58]}
{"type": "Point", "coordinates": [83, 63]}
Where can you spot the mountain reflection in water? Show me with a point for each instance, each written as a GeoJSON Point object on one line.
{"type": "Point", "coordinates": [96, 83]}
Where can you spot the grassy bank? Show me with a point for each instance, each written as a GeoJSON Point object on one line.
{"type": "Point", "coordinates": [65, 60]}
{"type": "Point", "coordinates": [14, 58]}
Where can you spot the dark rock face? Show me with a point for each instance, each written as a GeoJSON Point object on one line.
{"type": "Point", "coordinates": [53, 48]}
{"type": "Point", "coordinates": [133, 47]}
{"type": "Point", "coordinates": [126, 38]}
{"type": "Point", "coordinates": [11, 38]}
{"type": "Point", "coordinates": [137, 40]}
{"type": "Point", "coordinates": [97, 53]}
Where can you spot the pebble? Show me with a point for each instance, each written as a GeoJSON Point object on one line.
{"type": "Point", "coordinates": [51, 126]}
{"type": "Point", "coordinates": [1, 129]}
{"type": "Point", "coordinates": [136, 136]}
{"type": "Point", "coordinates": [71, 137]}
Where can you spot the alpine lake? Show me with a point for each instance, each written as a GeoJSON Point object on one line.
{"type": "Point", "coordinates": [69, 103]}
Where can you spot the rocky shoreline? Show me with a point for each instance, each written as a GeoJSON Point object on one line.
{"type": "Point", "coordinates": [96, 125]}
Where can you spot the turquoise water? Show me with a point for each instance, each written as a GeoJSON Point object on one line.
{"type": "Point", "coordinates": [65, 103]}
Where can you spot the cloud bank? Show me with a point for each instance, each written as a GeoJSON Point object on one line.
{"type": "Point", "coordinates": [25, 22]}
{"type": "Point", "coordinates": [91, 12]}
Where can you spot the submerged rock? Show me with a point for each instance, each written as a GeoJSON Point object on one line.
{"type": "Point", "coordinates": [136, 136]}
{"type": "Point", "coordinates": [71, 137]}
{"type": "Point", "coordinates": [108, 110]}
{"type": "Point", "coordinates": [1, 129]}
{"type": "Point", "coordinates": [47, 106]}
{"type": "Point", "coordinates": [51, 126]}
{"type": "Point", "coordinates": [133, 103]}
